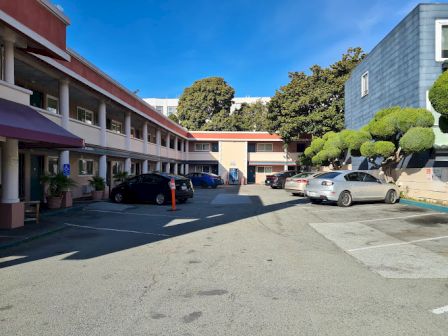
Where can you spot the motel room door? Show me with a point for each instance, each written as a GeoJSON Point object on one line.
{"type": "Point", "coordinates": [251, 174]}
{"type": "Point", "coordinates": [37, 170]}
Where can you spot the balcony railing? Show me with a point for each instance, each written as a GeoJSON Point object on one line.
{"type": "Point", "coordinates": [203, 156]}
{"type": "Point", "coordinates": [273, 157]}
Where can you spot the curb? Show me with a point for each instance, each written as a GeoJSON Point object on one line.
{"type": "Point", "coordinates": [31, 238]}
{"type": "Point", "coordinates": [440, 208]}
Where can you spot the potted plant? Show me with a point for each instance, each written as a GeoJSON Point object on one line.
{"type": "Point", "coordinates": [98, 184]}
{"type": "Point", "coordinates": [121, 176]}
{"type": "Point", "coordinates": [57, 185]}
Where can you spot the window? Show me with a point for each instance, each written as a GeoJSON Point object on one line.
{"type": "Point", "coordinates": [202, 147]}
{"type": "Point", "coordinates": [365, 84]}
{"type": "Point", "coordinates": [85, 167]}
{"type": "Point", "coordinates": [52, 104]}
{"type": "Point", "coordinates": [53, 165]}
{"type": "Point", "coordinates": [117, 167]}
{"type": "Point", "coordinates": [201, 169]}
{"type": "Point", "coordinates": [330, 175]}
{"type": "Point", "coordinates": [37, 99]}
{"type": "Point", "coordinates": [116, 126]}
{"type": "Point", "coordinates": [171, 110]}
{"type": "Point", "coordinates": [353, 177]}
{"type": "Point", "coordinates": [441, 40]}
{"type": "Point", "coordinates": [264, 147]}
{"type": "Point", "coordinates": [264, 169]}
{"type": "Point", "coordinates": [135, 133]}
{"type": "Point", "coordinates": [369, 178]}
{"type": "Point", "coordinates": [159, 109]}
{"type": "Point", "coordinates": [84, 115]}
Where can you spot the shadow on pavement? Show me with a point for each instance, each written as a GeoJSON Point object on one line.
{"type": "Point", "coordinates": [94, 233]}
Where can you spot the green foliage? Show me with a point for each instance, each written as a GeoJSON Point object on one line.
{"type": "Point", "coordinates": [367, 149]}
{"type": "Point", "coordinates": [121, 176]}
{"type": "Point", "coordinates": [250, 117]}
{"type": "Point", "coordinates": [390, 123]}
{"type": "Point", "coordinates": [314, 103]}
{"type": "Point", "coordinates": [353, 140]}
{"type": "Point", "coordinates": [98, 183]}
{"type": "Point", "coordinates": [438, 94]}
{"type": "Point", "coordinates": [174, 118]}
{"type": "Point", "coordinates": [57, 184]}
{"type": "Point", "coordinates": [417, 139]}
{"type": "Point", "coordinates": [377, 149]}
{"type": "Point", "coordinates": [207, 101]}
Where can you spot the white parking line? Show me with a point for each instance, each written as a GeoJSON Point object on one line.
{"type": "Point", "coordinates": [397, 244]}
{"type": "Point", "coordinates": [117, 230]}
{"type": "Point", "coordinates": [383, 219]}
{"type": "Point", "coordinates": [134, 213]}
{"type": "Point", "coordinates": [356, 207]}
{"type": "Point", "coordinates": [440, 310]}
{"type": "Point", "coordinates": [213, 216]}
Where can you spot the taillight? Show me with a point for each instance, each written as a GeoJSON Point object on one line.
{"type": "Point", "coordinates": [327, 183]}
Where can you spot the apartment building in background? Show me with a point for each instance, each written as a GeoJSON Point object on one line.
{"type": "Point", "coordinates": [60, 113]}
{"type": "Point", "coordinates": [399, 71]}
{"type": "Point", "coordinates": [168, 106]}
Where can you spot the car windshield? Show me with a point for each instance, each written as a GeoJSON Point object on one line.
{"type": "Point", "coordinates": [302, 175]}
{"type": "Point", "coordinates": [330, 175]}
{"type": "Point", "coordinates": [176, 177]}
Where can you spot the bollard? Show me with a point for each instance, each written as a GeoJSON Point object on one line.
{"type": "Point", "coordinates": [173, 194]}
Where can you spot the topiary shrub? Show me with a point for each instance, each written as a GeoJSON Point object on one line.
{"type": "Point", "coordinates": [417, 139]}
{"type": "Point", "coordinates": [438, 94]}
{"type": "Point", "coordinates": [443, 124]}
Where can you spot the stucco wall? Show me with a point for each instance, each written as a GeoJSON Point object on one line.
{"type": "Point", "coordinates": [233, 155]}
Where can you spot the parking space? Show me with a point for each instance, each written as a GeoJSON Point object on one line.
{"type": "Point", "coordinates": [227, 255]}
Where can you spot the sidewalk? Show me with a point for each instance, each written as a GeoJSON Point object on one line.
{"type": "Point", "coordinates": [31, 230]}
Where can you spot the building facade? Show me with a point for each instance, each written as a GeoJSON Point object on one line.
{"type": "Point", "coordinates": [168, 106]}
{"type": "Point", "coordinates": [60, 113]}
{"type": "Point", "coordinates": [399, 71]}
{"type": "Point", "coordinates": [401, 68]}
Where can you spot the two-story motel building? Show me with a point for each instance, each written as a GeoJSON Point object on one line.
{"type": "Point", "coordinates": [58, 112]}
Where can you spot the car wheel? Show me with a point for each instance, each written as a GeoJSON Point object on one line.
{"type": "Point", "coordinates": [160, 199]}
{"type": "Point", "coordinates": [345, 199]}
{"type": "Point", "coordinates": [118, 197]}
{"type": "Point", "coordinates": [182, 200]}
{"type": "Point", "coordinates": [315, 200]}
{"type": "Point", "coordinates": [391, 197]}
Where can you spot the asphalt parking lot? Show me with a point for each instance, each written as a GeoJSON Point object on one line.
{"type": "Point", "coordinates": [247, 260]}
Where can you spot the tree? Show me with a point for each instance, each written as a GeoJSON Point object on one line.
{"type": "Point", "coordinates": [250, 117]}
{"type": "Point", "coordinates": [174, 118]}
{"type": "Point", "coordinates": [438, 94]}
{"type": "Point", "coordinates": [397, 132]}
{"type": "Point", "coordinates": [333, 147]}
{"type": "Point", "coordinates": [312, 104]}
{"type": "Point", "coordinates": [207, 101]}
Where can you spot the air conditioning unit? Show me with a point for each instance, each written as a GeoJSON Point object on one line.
{"type": "Point", "coordinates": [87, 189]}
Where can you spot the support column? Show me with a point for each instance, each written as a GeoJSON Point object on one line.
{"type": "Point", "coordinates": [159, 166]}
{"type": "Point", "coordinates": [186, 168]}
{"type": "Point", "coordinates": [176, 169]}
{"type": "Point", "coordinates": [127, 165]}
{"type": "Point", "coordinates": [11, 210]}
{"type": "Point", "coordinates": [102, 123]}
{"type": "Point", "coordinates": [127, 129]}
{"type": "Point", "coordinates": [176, 144]}
{"type": "Point", "coordinates": [145, 137]}
{"type": "Point", "coordinates": [9, 61]}
{"type": "Point", "coordinates": [64, 104]}
{"type": "Point", "coordinates": [145, 167]}
{"type": "Point", "coordinates": [103, 167]}
{"type": "Point", "coordinates": [285, 166]}
{"type": "Point", "coordinates": [168, 138]}
{"type": "Point", "coordinates": [168, 167]}
{"type": "Point", "coordinates": [158, 142]}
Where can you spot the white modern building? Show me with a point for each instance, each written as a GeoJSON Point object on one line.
{"type": "Point", "coordinates": [168, 106]}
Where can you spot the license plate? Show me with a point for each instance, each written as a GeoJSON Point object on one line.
{"type": "Point", "coordinates": [184, 187]}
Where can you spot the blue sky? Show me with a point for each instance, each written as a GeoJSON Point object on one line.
{"type": "Point", "coordinates": [162, 46]}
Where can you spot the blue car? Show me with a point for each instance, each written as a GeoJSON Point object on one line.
{"type": "Point", "coordinates": [205, 180]}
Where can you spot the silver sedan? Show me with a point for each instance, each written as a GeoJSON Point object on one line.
{"type": "Point", "coordinates": [296, 184]}
{"type": "Point", "coordinates": [348, 186]}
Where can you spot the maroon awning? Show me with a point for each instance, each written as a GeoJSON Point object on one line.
{"type": "Point", "coordinates": [22, 122]}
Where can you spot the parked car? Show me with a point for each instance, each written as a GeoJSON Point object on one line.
{"type": "Point", "coordinates": [152, 187]}
{"type": "Point", "coordinates": [346, 187]}
{"type": "Point", "coordinates": [205, 180]}
{"type": "Point", "coordinates": [278, 180]}
{"type": "Point", "coordinates": [297, 183]}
